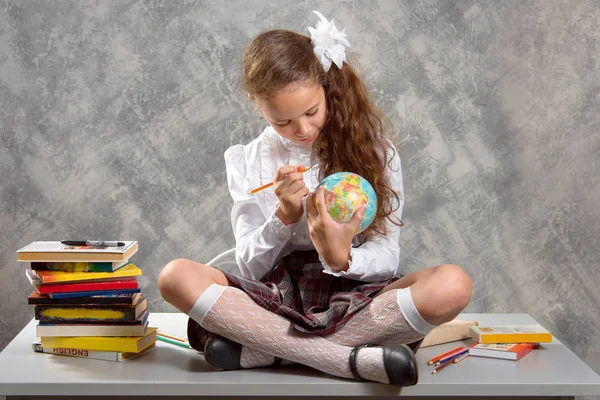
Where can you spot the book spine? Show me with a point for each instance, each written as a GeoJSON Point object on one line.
{"type": "Point", "coordinates": [80, 353]}
{"type": "Point", "coordinates": [126, 272]}
{"type": "Point", "coordinates": [79, 314]}
{"type": "Point", "coordinates": [79, 301]}
{"type": "Point", "coordinates": [73, 266]}
{"type": "Point", "coordinates": [90, 343]}
{"type": "Point", "coordinates": [80, 287]}
{"type": "Point", "coordinates": [73, 330]}
{"type": "Point", "coordinates": [70, 295]}
{"type": "Point", "coordinates": [141, 320]}
{"type": "Point", "coordinates": [99, 343]}
{"type": "Point", "coordinates": [515, 338]}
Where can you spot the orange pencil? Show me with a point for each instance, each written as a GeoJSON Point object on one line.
{"type": "Point", "coordinates": [263, 187]}
{"type": "Point", "coordinates": [437, 358]}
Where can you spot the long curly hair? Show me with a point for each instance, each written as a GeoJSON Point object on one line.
{"type": "Point", "coordinates": [353, 137]}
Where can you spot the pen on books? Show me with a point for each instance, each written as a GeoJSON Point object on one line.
{"type": "Point", "coordinates": [93, 243]}
{"type": "Point", "coordinates": [171, 341]}
{"type": "Point", "coordinates": [268, 185]}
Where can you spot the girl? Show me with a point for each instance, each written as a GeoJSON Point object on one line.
{"type": "Point", "coordinates": [312, 291]}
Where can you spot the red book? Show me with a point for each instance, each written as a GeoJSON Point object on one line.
{"type": "Point", "coordinates": [507, 351]}
{"type": "Point", "coordinates": [88, 286]}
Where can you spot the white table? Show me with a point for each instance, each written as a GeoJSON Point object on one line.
{"type": "Point", "coordinates": [171, 371]}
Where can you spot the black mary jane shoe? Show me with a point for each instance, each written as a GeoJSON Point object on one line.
{"type": "Point", "coordinates": [226, 354]}
{"type": "Point", "coordinates": [399, 362]}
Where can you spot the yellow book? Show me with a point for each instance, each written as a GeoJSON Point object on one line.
{"type": "Point", "coordinates": [93, 313]}
{"type": "Point", "coordinates": [125, 344]}
{"type": "Point", "coordinates": [127, 271]}
{"type": "Point", "coordinates": [511, 334]}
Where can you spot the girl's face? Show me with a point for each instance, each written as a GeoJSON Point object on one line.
{"type": "Point", "coordinates": [297, 113]}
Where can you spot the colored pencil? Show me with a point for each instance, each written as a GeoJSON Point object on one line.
{"type": "Point", "coordinates": [175, 342]}
{"type": "Point", "coordinates": [437, 358]}
{"type": "Point", "coordinates": [457, 353]}
{"type": "Point", "coordinates": [263, 187]}
{"type": "Point", "coordinates": [444, 365]}
{"type": "Point", "coordinates": [453, 355]}
{"type": "Point", "coordinates": [168, 335]}
{"type": "Point", "coordinates": [460, 358]}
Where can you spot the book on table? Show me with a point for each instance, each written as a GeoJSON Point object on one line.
{"type": "Point", "coordinates": [136, 328]}
{"type": "Point", "coordinates": [87, 286]}
{"type": "Point", "coordinates": [47, 277]}
{"type": "Point", "coordinates": [82, 266]}
{"type": "Point", "coordinates": [72, 295]}
{"type": "Point", "coordinates": [115, 356]}
{"type": "Point", "coordinates": [36, 298]}
{"type": "Point", "coordinates": [506, 351]}
{"type": "Point", "coordinates": [90, 313]}
{"type": "Point", "coordinates": [511, 334]}
{"type": "Point", "coordinates": [57, 252]}
{"type": "Point", "coordinates": [143, 317]}
{"type": "Point", "coordinates": [127, 344]}
{"type": "Point", "coordinates": [69, 330]}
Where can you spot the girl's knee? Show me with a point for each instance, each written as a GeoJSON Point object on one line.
{"type": "Point", "coordinates": [456, 284]}
{"type": "Point", "coordinates": [181, 281]}
{"type": "Point", "coordinates": [170, 275]}
{"type": "Point", "coordinates": [177, 273]}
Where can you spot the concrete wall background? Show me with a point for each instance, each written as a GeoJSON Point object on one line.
{"type": "Point", "coordinates": [114, 117]}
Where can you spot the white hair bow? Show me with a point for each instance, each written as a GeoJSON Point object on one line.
{"type": "Point", "coordinates": [329, 43]}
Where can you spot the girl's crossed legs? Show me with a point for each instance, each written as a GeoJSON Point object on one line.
{"type": "Point", "coordinates": [425, 298]}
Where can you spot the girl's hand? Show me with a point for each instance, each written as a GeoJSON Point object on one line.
{"type": "Point", "coordinates": [290, 189]}
{"type": "Point", "coordinates": [331, 238]}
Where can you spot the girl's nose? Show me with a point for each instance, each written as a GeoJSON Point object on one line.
{"type": "Point", "coordinates": [303, 127]}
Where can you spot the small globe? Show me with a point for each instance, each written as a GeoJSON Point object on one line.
{"type": "Point", "coordinates": [345, 193]}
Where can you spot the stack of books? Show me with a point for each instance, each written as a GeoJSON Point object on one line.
{"type": "Point", "coordinates": [87, 300]}
{"type": "Point", "coordinates": [508, 342]}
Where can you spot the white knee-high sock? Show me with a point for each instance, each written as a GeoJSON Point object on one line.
{"type": "Point", "coordinates": [384, 321]}
{"type": "Point", "coordinates": [390, 319]}
{"type": "Point", "coordinates": [410, 312]}
{"type": "Point", "coordinates": [231, 313]}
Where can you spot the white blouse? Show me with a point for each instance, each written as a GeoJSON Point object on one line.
{"type": "Point", "coordinates": [262, 239]}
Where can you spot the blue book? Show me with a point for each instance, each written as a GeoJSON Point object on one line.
{"type": "Point", "coordinates": [128, 298]}
{"type": "Point", "coordinates": [95, 293]}
{"type": "Point", "coordinates": [78, 266]}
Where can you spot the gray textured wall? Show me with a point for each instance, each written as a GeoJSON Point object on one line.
{"type": "Point", "coordinates": [114, 117]}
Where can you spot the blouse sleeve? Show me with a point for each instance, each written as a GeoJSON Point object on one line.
{"type": "Point", "coordinates": [259, 238]}
{"type": "Point", "coordinates": [377, 259]}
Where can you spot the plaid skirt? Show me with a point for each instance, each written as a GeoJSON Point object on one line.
{"type": "Point", "coordinates": [297, 288]}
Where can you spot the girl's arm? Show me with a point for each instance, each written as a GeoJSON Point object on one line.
{"type": "Point", "coordinates": [378, 258]}
{"type": "Point", "coordinates": [260, 239]}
